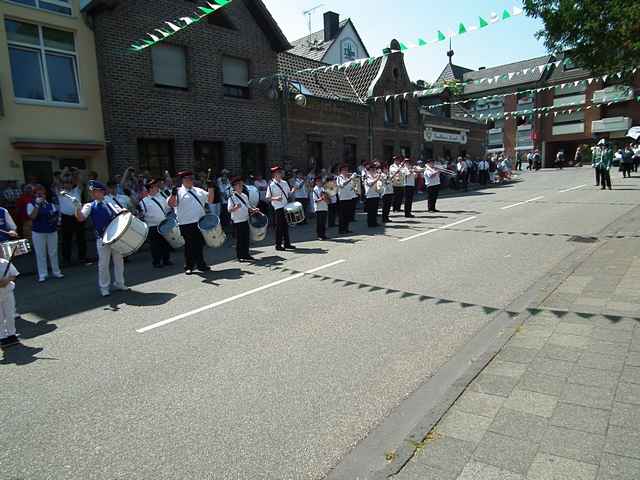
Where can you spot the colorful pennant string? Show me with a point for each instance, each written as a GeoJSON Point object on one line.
{"type": "Point", "coordinates": [177, 25]}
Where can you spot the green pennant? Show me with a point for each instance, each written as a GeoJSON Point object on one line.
{"type": "Point", "coordinates": [222, 3]}
{"type": "Point", "coordinates": [506, 15]}
{"type": "Point", "coordinates": [403, 47]}
{"type": "Point", "coordinates": [462, 29]}
{"type": "Point", "coordinates": [421, 42]}
{"type": "Point", "coordinates": [441, 36]}
{"type": "Point", "coordinates": [372, 60]}
{"type": "Point", "coordinates": [206, 10]}
{"type": "Point", "coordinates": [483, 22]}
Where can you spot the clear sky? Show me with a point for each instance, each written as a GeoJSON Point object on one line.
{"type": "Point", "coordinates": [379, 22]}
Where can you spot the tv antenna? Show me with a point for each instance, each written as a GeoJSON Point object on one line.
{"type": "Point", "coordinates": [309, 13]}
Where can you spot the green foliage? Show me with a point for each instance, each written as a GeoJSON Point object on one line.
{"type": "Point", "coordinates": [602, 35]}
{"type": "Point", "coordinates": [454, 87]}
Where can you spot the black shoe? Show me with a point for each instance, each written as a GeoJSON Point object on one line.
{"type": "Point", "coordinates": [204, 268]}
{"type": "Point", "coordinates": [249, 259]}
{"type": "Point", "coordinates": [289, 247]}
{"type": "Point", "coordinates": [410, 216]}
{"type": "Point", "coordinates": [280, 249]}
{"type": "Point", "coordinates": [157, 265]}
{"type": "Point", "coordinates": [168, 263]}
{"type": "Point", "coordinates": [9, 341]}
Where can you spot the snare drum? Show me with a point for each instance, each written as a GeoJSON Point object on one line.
{"type": "Point", "coordinates": [294, 213]}
{"type": "Point", "coordinates": [21, 247]}
{"type": "Point", "coordinates": [125, 234]}
{"type": "Point", "coordinates": [170, 230]}
{"type": "Point", "coordinates": [258, 227]}
{"type": "Point", "coordinates": [211, 229]}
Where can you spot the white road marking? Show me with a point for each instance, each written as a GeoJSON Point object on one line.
{"type": "Point", "coordinates": [521, 203]}
{"type": "Point", "coordinates": [437, 229]}
{"type": "Point", "coordinates": [236, 297]}
{"type": "Point", "coordinates": [572, 189]}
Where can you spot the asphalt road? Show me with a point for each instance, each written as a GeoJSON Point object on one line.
{"type": "Point", "coordinates": [276, 370]}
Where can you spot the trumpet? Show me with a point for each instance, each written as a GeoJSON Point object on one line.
{"type": "Point", "coordinates": [445, 171]}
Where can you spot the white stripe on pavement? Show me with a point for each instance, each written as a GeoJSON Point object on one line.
{"type": "Point", "coordinates": [236, 297]}
{"type": "Point", "coordinates": [521, 203]}
{"type": "Point", "coordinates": [572, 189]}
{"type": "Point", "coordinates": [437, 229]}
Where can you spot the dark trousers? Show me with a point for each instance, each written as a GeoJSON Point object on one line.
{"type": "Point", "coordinates": [333, 213]}
{"type": "Point", "coordinates": [371, 206]}
{"type": "Point", "coordinates": [432, 197]}
{"type": "Point", "coordinates": [409, 193]}
{"type": "Point", "coordinates": [282, 229]}
{"type": "Point", "coordinates": [627, 168]}
{"type": "Point", "coordinates": [463, 180]}
{"type": "Point", "coordinates": [605, 178]}
{"type": "Point", "coordinates": [160, 249]}
{"type": "Point", "coordinates": [344, 216]}
{"type": "Point", "coordinates": [597, 172]}
{"type": "Point", "coordinates": [636, 162]}
{"type": "Point", "coordinates": [242, 240]}
{"type": "Point", "coordinates": [387, 201]}
{"type": "Point", "coordinates": [71, 227]}
{"type": "Point", "coordinates": [321, 224]}
{"type": "Point", "coordinates": [353, 203]}
{"type": "Point", "coordinates": [398, 195]}
{"type": "Point", "coordinates": [193, 246]}
{"type": "Point", "coordinates": [484, 177]}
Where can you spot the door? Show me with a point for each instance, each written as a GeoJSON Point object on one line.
{"type": "Point", "coordinates": [387, 153]}
{"type": "Point", "coordinates": [314, 156]}
{"type": "Point", "coordinates": [253, 158]}
{"type": "Point", "coordinates": [38, 170]}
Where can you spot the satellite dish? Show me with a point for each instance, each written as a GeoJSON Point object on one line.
{"type": "Point", "coordinates": [300, 100]}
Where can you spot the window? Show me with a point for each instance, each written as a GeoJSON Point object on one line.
{"type": "Point", "coordinates": [349, 154]}
{"type": "Point", "coordinates": [43, 63]}
{"type": "Point", "coordinates": [58, 6]}
{"type": "Point", "coordinates": [235, 77]}
{"type": "Point", "coordinates": [404, 112]}
{"type": "Point", "coordinates": [314, 156]}
{"type": "Point", "coordinates": [155, 156]}
{"type": "Point", "coordinates": [253, 158]}
{"type": "Point", "coordinates": [389, 111]}
{"type": "Point", "coordinates": [169, 65]}
{"type": "Point", "coordinates": [208, 155]}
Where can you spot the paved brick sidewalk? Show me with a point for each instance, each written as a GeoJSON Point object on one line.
{"type": "Point", "coordinates": [561, 401]}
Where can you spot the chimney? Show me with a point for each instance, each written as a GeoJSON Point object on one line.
{"type": "Point", "coordinates": [331, 25]}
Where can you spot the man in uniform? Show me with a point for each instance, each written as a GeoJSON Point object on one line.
{"type": "Point", "coordinates": [396, 170]}
{"type": "Point", "coordinates": [240, 209]}
{"type": "Point", "coordinates": [372, 195]}
{"type": "Point", "coordinates": [189, 204]}
{"type": "Point", "coordinates": [346, 197]}
{"type": "Point", "coordinates": [278, 194]}
{"type": "Point", "coordinates": [154, 210]}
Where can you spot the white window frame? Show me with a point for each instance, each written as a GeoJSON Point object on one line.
{"type": "Point", "coordinates": [44, 73]}
{"type": "Point", "coordinates": [59, 3]}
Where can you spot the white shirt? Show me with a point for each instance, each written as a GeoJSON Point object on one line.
{"type": "Point", "coordinates": [188, 209]}
{"type": "Point", "coordinates": [242, 214]}
{"type": "Point", "coordinates": [318, 204]}
{"type": "Point", "coordinates": [278, 189]}
{"type": "Point", "coordinates": [261, 185]}
{"type": "Point", "coordinates": [370, 186]}
{"type": "Point", "coordinates": [224, 185]}
{"type": "Point", "coordinates": [67, 207]}
{"type": "Point", "coordinates": [154, 209]}
{"type": "Point", "coordinates": [432, 176]}
{"type": "Point", "coordinates": [483, 165]}
{"type": "Point", "coordinates": [120, 200]}
{"type": "Point", "coordinates": [410, 177]}
{"type": "Point", "coordinates": [301, 186]}
{"type": "Point", "coordinates": [11, 225]}
{"type": "Point", "coordinates": [11, 272]}
{"type": "Point", "coordinates": [345, 190]}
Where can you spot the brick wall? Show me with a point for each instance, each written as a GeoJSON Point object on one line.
{"type": "Point", "coordinates": [134, 108]}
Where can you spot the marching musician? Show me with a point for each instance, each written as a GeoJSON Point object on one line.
{"type": "Point", "coordinates": [8, 228]}
{"type": "Point", "coordinates": [8, 335]}
{"type": "Point", "coordinates": [409, 187]}
{"type": "Point", "coordinates": [387, 195]}
{"type": "Point", "coordinates": [44, 216]}
{"type": "Point", "coordinates": [462, 170]}
{"type": "Point", "coordinates": [301, 195]}
{"type": "Point", "coordinates": [432, 176]}
{"type": "Point", "coordinates": [333, 204]}
{"type": "Point", "coordinates": [396, 171]}
{"type": "Point", "coordinates": [239, 207]}
{"type": "Point", "coordinates": [121, 200]}
{"type": "Point", "coordinates": [278, 194]}
{"type": "Point", "coordinates": [70, 226]}
{"type": "Point", "coordinates": [372, 194]}
{"type": "Point", "coordinates": [347, 198]}
{"type": "Point", "coordinates": [261, 184]}
{"type": "Point", "coordinates": [154, 209]}
{"type": "Point", "coordinates": [189, 203]}
{"type": "Point", "coordinates": [321, 208]}
{"type": "Point", "coordinates": [224, 187]}
{"type": "Point", "coordinates": [102, 213]}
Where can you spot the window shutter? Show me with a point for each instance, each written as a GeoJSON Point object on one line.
{"type": "Point", "coordinates": [169, 65]}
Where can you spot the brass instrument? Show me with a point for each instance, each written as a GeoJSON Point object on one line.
{"type": "Point", "coordinates": [331, 188]}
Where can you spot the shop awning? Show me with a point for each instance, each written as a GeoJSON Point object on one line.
{"type": "Point", "coordinates": [57, 144]}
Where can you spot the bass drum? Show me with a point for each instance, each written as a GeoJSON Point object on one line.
{"type": "Point", "coordinates": [258, 225]}
{"type": "Point", "coordinates": [125, 234]}
{"type": "Point", "coordinates": [294, 212]}
{"type": "Point", "coordinates": [254, 195]}
{"type": "Point", "coordinates": [211, 229]}
{"type": "Point", "coordinates": [170, 230]}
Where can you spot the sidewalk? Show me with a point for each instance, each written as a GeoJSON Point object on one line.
{"type": "Point", "coordinates": [561, 401]}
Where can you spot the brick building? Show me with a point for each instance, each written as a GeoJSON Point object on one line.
{"type": "Point", "coordinates": [186, 102]}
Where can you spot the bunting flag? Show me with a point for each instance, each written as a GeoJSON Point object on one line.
{"type": "Point", "coordinates": [176, 26]}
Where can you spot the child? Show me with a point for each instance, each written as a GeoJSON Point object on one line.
{"type": "Point", "coordinates": [7, 305]}
{"type": "Point", "coordinates": [239, 208]}
{"type": "Point", "coordinates": [321, 208]}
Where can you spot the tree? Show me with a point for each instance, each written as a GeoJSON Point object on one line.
{"type": "Point", "coordinates": [602, 36]}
